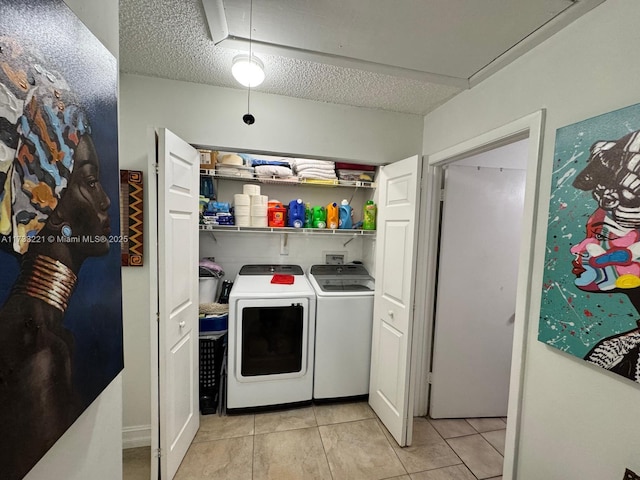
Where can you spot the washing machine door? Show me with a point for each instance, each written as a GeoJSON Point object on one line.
{"type": "Point", "coordinates": [271, 339]}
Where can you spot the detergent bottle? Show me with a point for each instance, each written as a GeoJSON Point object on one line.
{"type": "Point", "coordinates": [318, 217]}
{"type": "Point", "coordinates": [276, 214]}
{"type": "Point", "coordinates": [308, 216]}
{"type": "Point", "coordinates": [345, 215]}
{"type": "Point", "coordinates": [332, 216]}
{"type": "Point", "coordinates": [296, 213]}
{"type": "Point", "coordinates": [369, 220]}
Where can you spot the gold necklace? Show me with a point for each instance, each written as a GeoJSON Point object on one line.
{"type": "Point", "coordinates": [46, 279]}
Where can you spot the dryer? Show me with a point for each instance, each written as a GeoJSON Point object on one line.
{"type": "Point", "coordinates": [271, 337]}
{"type": "Point", "coordinates": [344, 325]}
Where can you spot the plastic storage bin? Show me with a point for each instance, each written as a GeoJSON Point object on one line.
{"type": "Point", "coordinates": [212, 324]}
{"type": "Point", "coordinates": [207, 289]}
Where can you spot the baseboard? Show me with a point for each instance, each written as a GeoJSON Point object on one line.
{"type": "Point", "coordinates": [138, 436]}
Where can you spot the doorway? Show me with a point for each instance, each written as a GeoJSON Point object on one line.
{"type": "Point", "coordinates": [527, 127]}
{"type": "Point", "coordinates": [479, 246]}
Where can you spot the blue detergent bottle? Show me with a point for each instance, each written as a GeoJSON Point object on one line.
{"type": "Point", "coordinates": [345, 213]}
{"type": "Point", "coordinates": [296, 213]}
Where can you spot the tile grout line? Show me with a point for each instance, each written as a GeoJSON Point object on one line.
{"type": "Point", "coordinates": [463, 462]}
{"type": "Point", "coordinates": [253, 448]}
{"type": "Point", "coordinates": [380, 427]}
{"type": "Point", "coordinates": [324, 449]}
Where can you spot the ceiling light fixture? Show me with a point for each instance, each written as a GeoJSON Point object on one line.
{"type": "Point", "coordinates": [248, 70]}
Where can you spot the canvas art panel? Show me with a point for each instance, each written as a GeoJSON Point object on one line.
{"type": "Point", "coordinates": [591, 287]}
{"type": "Point", "coordinates": [60, 242]}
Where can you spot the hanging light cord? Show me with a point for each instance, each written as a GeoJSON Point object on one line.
{"type": "Point", "coordinates": [250, 52]}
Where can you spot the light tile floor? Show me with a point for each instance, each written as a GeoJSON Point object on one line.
{"type": "Point", "coordinates": [343, 441]}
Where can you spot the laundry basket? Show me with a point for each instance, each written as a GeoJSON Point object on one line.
{"type": "Point", "coordinates": [212, 351]}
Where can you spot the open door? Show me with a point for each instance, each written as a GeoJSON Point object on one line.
{"type": "Point", "coordinates": [178, 417]}
{"type": "Point", "coordinates": [477, 279]}
{"type": "Point", "coordinates": [397, 231]}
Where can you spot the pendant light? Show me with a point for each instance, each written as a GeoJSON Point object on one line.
{"type": "Point", "coordinates": [248, 71]}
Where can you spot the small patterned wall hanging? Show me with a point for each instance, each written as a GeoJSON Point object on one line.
{"type": "Point", "coordinates": [131, 217]}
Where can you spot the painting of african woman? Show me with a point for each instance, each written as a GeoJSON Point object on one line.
{"type": "Point", "coordinates": [60, 285]}
{"type": "Point", "coordinates": [591, 290]}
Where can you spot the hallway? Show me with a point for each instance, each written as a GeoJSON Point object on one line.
{"type": "Point", "coordinates": [342, 441]}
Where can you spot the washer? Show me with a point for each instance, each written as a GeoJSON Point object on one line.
{"type": "Point", "coordinates": [271, 337]}
{"type": "Point", "coordinates": [344, 322]}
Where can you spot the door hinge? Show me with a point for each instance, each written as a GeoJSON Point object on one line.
{"type": "Point", "coordinates": [158, 453]}
{"type": "Point", "coordinates": [429, 378]}
{"type": "Point", "coordinates": [442, 195]}
{"type": "Point", "coordinates": [157, 167]}
{"type": "Point", "coordinates": [158, 317]}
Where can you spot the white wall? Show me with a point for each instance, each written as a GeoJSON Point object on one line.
{"type": "Point", "coordinates": [92, 447]}
{"type": "Point", "coordinates": [212, 116]}
{"type": "Point", "coordinates": [579, 422]}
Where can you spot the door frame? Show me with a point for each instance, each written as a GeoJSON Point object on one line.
{"type": "Point", "coordinates": [152, 255]}
{"type": "Point", "coordinates": [531, 127]}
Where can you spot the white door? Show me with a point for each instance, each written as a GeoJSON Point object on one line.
{"type": "Point", "coordinates": [178, 192]}
{"type": "Point", "coordinates": [476, 292]}
{"type": "Point", "coordinates": [397, 230]}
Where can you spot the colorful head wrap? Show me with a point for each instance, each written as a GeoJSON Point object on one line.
{"type": "Point", "coordinates": [40, 127]}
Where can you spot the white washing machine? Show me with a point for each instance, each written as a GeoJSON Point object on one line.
{"type": "Point", "coordinates": [271, 337]}
{"type": "Point", "coordinates": [344, 323]}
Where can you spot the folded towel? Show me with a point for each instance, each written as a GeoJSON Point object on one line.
{"type": "Point", "coordinates": [354, 166]}
{"type": "Point", "coordinates": [273, 171]}
{"type": "Point", "coordinates": [283, 279]}
{"type": "Point", "coordinates": [256, 162]}
{"type": "Point", "coordinates": [305, 162]}
{"type": "Point", "coordinates": [324, 168]}
{"type": "Point", "coordinates": [231, 171]}
{"type": "Point", "coordinates": [312, 173]}
{"type": "Point", "coordinates": [213, 308]}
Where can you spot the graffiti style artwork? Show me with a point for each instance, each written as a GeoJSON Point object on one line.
{"type": "Point", "coordinates": [60, 285]}
{"type": "Point", "coordinates": [629, 475]}
{"type": "Point", "coordinates": [591, 291]}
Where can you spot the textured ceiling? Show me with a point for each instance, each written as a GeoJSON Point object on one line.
{"type": "Point", "coordinates": [171, 39]}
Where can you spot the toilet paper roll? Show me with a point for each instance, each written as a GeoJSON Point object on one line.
{"type": "Point", "coordinates": [259, 222]}
{"type": "Point", "coordinates": [241, 199]}
{"type": "Point", "coordinates": [258, 210]}
{"type": "Point", "coordinates": [259, 199]}
{"type": "Point", "coordinates": [243, 221]}
{"type": "Point", "coordinates": [250, 189]}
{"type": "Point", "coordinates": [242, 210]}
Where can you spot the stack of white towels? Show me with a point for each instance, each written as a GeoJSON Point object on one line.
{"type": "Point", "coordinates": [250, 208]}
{"type": "Point", "coordinates": [306, 168]}
{"type": "Point", "coordinates": [270, 167]}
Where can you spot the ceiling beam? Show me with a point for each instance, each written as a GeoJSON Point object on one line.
{"type": "Point", "coordinates": [216, 19]}
{"type": "Point", "coordinates": [242, 43]}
